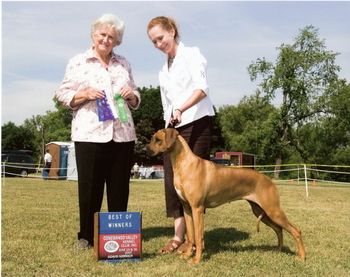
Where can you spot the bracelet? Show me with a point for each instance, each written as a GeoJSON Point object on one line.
{"type": "Point", "coordinates": [178, 110]}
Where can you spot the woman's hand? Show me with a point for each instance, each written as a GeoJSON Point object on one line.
{"type": "Point", "coordinates": [92, 94]}
{"type": "Point", "coordinates": [128, 94]}
{"type": "Point", "coordinates": [86, 94]}
{"type": "Point", "coordinates": [176, 118]}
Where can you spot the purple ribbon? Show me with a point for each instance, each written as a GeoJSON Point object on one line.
{"type": "Point", "coordinates": [103, 109]}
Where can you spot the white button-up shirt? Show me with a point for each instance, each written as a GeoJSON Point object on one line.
{"type": "Point", "coordinates": [187, 73]}
{"type": "Point", "coordinates": [85, 70]}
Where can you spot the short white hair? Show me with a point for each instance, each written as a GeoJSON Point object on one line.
{"type": "Point", "coordinates": [112, 20]}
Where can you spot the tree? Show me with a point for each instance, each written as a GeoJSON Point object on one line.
{"type": "Point", "coordinates": [16, 138]}
{"type": "Point", "coordinates": [150, 108]}
{"type": "Point", "coordinates": [148, 119]}
{"type": "Point", "coordinates": [340, 106]}
{"type": "Point", "coordinates": [53, 126]}
{"type": "Point", "coordinates": [248, 127]}
{"type": "Point", "coordinates": [217, 139]}
{"type": "Point", "coordinates": [302, 74]}
{"type": "Point", "coordinates": [327, 140]}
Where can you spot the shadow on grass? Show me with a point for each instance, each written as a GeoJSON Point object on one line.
{"type": "Point", "coordinates": [249, 248]}
{"type": "Point", "coordinates": [154, 232]}
{"type": "Point", "coordinates": [222, 235]}
{"type": "Point", "coordinates": [224, 239]}
{"type": "Point", "coordinates": [216, 240]}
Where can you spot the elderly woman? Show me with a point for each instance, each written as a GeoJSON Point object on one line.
{"type": "Point", "coordinates": [98, 86]}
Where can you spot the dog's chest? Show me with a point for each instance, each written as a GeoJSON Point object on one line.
{"type": "Point", "coordinates": [179, 193]}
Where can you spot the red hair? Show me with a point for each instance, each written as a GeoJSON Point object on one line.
{"type": "Point", "coordinates": [166, 23]}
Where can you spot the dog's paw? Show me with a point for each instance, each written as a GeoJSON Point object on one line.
{"type": "Point", "coordinates": [301, 258]}
{"type": "Point", "coordinates": [194, 261]}
{"type": "Point", "coordinates": [185, 256]}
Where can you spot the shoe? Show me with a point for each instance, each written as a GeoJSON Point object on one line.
{"type": "Point", "coordinates": [83, 244]}
{"type": "Point", "coordinates": [170, 247]}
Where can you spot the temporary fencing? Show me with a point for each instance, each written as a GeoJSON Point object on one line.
{"type": "Point", "coordinates": [17, 169]}
{"type": "Point", "coordinates": [306, 174]}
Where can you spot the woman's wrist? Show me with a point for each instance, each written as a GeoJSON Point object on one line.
{"type": "Point", "coordinates": [179, 110]}
{"type": "Point", "coordinates": [79, 98]}
{"type": "Point", "coordinates": [133, 100]}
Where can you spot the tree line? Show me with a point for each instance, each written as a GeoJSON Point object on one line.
{"type": "Point", "coordinates": [311, 124]}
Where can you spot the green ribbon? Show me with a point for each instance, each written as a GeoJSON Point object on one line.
{"type": "Point", "coordinates": [120, 104]}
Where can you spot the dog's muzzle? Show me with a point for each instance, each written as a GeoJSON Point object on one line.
{"type": "Point", "coordinates": [149, 151]}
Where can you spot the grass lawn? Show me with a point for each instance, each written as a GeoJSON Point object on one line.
{"type": "Point", "coordinates": [40, 222]}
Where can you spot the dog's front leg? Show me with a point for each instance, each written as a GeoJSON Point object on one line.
{"type": "Point", "coordinates": [190, 239]}
{"type": "Point", "coordinates": [198, 222]}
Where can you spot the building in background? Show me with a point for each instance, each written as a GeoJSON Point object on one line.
{"type": "Point", "coordinates": [235, 158]}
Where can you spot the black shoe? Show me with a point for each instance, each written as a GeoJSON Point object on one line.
{"type": "Point", "coordinates": [82, 244]}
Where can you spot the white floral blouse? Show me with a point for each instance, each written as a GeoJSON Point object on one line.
{"type": "Point", "coordinates": [85, 70]}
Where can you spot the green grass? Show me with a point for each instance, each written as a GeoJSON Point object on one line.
{"type": "Point", "coordinates": [40, 222]}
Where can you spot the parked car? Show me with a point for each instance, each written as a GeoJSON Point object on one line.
{"type": "Point", "coordinates": [17, 163]}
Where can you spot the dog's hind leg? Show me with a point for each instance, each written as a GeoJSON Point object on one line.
{"type": "Point", "coordinates": [278, 217]}
{"type": "Point", "coordinates": [258, 221]}
{"type": "Point", "coordinates": [261, 215]}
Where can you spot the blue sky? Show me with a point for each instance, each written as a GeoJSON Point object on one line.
{"type": "Point", "coordinates": [38, 39]}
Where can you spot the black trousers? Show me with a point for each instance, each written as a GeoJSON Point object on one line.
{"type": "Point", "coordinates": [47, 167]}
{"type": "Point", "coordinates": [98, 164]}
{"type": "Point", "coordinates": [198, 136]}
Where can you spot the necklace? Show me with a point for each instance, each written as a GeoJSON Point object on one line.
{"type": "Point", "coordinates": [170, 61]}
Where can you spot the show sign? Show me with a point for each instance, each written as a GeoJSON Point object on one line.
{"type": "Point", "coordinates": [117, 236]}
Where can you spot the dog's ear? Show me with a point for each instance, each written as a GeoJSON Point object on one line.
{"type": "Point", "coordinates": [170, 137]}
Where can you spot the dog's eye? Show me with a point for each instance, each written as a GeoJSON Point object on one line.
{"type": "Point", "coordinates": [158, 141]}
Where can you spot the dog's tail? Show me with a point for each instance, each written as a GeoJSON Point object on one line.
{"type": "Point", "coordinates": [258, 221]}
